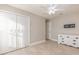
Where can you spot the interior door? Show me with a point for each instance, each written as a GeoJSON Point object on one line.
{"type": "Point", "coordinates": [22, 31]}
{"type": "Point", "coordinates": [7, 32]}
{"type": "Point", "coordinates": [49, 30]}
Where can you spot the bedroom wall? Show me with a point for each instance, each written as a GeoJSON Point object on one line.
{"type": "Point", "coordinates": [37, 23]}
{"type": "Point", "coordinates": [57, 25]}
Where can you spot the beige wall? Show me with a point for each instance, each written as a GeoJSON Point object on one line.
{"type": "Point", "coordinates": [37, 29]}
{"type": "Point", "coordinates": [37, 23]}
{"type": "Point", "coordinates": [57, 25]}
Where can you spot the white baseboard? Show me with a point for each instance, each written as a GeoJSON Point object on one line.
{"type": "Point", "coordinates": [38, 42]}
{"type": "Point", "coordinates": [53, 39]}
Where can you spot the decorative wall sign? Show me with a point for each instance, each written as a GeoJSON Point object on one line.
{"type": "Point", "coordinates": [69, 26]}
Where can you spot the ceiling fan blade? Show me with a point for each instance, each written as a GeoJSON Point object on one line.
{"type": "Point", "coordinates": [58, 9]}
{"type": "Point", "coordinates": [53, 7]}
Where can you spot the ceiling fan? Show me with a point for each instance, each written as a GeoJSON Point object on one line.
{"type": "Point", "coordinates": [52, 9]}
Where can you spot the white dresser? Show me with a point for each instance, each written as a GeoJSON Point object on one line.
{"type": "Point", "coordinates": [71, 40]}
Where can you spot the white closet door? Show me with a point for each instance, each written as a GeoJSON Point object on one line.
{"type": "Point", "coordinates": [22, 31]}
{"type": "Point", "coordinates": [7, 31]}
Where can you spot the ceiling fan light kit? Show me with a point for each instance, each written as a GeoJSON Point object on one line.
{"type": "Point", "coordinates": [52, 9]}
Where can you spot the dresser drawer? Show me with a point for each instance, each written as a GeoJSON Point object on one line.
{"type": "Point", "coordinates": [74, 44]}
{"type": "Point", "coordinates": [71, 40]}
{"type": "Point", "coordinates": [60, 38]}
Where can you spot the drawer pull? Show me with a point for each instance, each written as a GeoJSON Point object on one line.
{"type": "Point", "coordinates": [67, 36]}
{"type": "Point", "coordinates": [74, 40]}
{"type": "Point", "coordinates": [76, 37]}
{"type": "Point", "coordinates": [62, 41]}
{"type": "Point", "coordinates": [74, 43]}
{"type": "Point", "coordinates": [62, 38]}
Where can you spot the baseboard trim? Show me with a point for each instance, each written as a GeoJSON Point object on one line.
{"type": "Point", "coordinates": [53, 40]}
{"type": "Point", "coordinates": [38, 42]}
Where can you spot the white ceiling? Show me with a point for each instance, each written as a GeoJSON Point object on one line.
{"type": "Point", "coordinates": [42, 9]}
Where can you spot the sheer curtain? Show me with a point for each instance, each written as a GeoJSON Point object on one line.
{"type": "Point", "coordinates": [7, 32]}
{"type": "Point", "coordinates": [13, 31]}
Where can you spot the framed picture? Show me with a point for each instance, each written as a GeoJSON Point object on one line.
{"type": "Point", "coordinates": [69, 26]}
